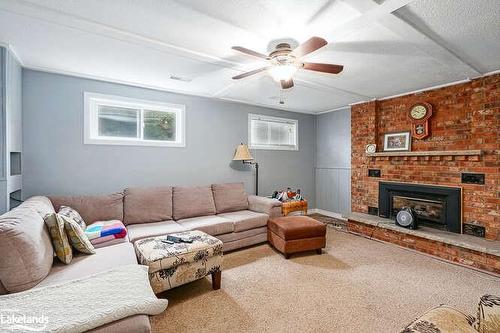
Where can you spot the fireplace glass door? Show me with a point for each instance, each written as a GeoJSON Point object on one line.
{"type": "Point", "coordinates": [428, 212]}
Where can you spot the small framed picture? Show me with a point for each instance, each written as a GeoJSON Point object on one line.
{"type": "Point", "coordinates": [400, 141]}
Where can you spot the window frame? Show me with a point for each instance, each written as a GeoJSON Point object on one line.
{"type": "Point", "coordinates": [251, 145]}
{"type": "Point", "coordinates": [92, 101]}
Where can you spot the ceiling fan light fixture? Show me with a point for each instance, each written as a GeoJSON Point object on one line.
{"type": "Point", "coordinates": [284, 61]}
{"type": "Point", "coordinates": [282, 72]}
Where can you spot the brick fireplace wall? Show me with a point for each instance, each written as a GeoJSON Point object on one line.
{"type": "Point", "coordinates": [465, 116]}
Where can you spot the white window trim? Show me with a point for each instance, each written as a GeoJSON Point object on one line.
{"type": "Point", "coordinates": [92, 100]}
{"type": "Point", "coordinates": [277, 119]}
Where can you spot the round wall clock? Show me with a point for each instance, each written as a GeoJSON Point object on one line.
{"type": "Point", "coordinates": [418, 112]}
{"type": "Point", "coordinates": [419, 115]}
{"type": "Point", "coordinates": [371, 148]}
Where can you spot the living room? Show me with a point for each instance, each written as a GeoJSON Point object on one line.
{"type": "Point", "coordinates": [250, 166]}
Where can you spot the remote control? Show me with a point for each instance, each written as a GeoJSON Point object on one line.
{"type": "Point", "coordinates": [176, 239]}
{"type": "Point", "coordinates": [167, 241]}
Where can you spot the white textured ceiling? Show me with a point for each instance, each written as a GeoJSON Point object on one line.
{"type": "Point", "coordinates": [387, 47]}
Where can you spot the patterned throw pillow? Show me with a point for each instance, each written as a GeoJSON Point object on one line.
{"type": "Point", "coordinates": [72, 214]}
{"type": "Point", "coordinates": [77, 236]}
{"type": "Point", "coordinates": [488, 314]}
{"type": "Point", "coordinates": [60, 241]}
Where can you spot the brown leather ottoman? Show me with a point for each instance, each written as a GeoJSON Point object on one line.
{"type": "Point", "coordinates": [292, 234]}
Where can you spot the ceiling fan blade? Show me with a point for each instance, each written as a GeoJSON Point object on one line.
{"type": "Point", "coordinates": [325, 68]}
{"type": "Point", "coordinates": [250, 52]}
{"type": "Point", "coordinates": [255, 71]}
{"type": "Point", "coordinates": [310, 45]}
{"type": "Point", "coordinates": [286, 84]}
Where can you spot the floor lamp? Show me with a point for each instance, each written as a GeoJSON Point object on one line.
{"type": "Point", "coordinates": [243, 154]}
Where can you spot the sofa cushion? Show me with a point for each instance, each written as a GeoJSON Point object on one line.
{"type": "Point", "coordinates": [246, 219]}
{"type": "Point", "coordinates": [93, 208]}
{"type": "Point", "coordinates": [212, 225]}
{"type": "Point", "coordinates": [82, 265]}
{"type": "Point", "coordinates": [441, 319]}
{"type": "Point", "coordinates": [70, 213]}
{"type": "Point", "coordinates": [488, 314]}
{"type": "Point", "coordinates": [60, 242]}
{"type": "Point", "coordinates": [235, 236]}
{"type": "Point", "coordinates": [77, 237]}
{"type": "Point", "coordinates": [271, 207]}
{"type": "Point", "coordinates": [230, 197]}
{"type": "Point", "coordinates": [111, 242]}
{"type": "Point", "coordinates": [142, 205]}
{"type": "Point", "coordinates": [143, 230]}
{"type": "Point", "coordinates": [192, 202]}
{"type": "Point", "coordinates": [25, 246]}
{"type": "Point", "coordinates": [136, 324]}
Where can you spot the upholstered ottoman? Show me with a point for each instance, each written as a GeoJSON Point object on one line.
{"type": "Point", "coordinates": [171, 265]}
{"type": "Point", "coordinates": [292, 234]}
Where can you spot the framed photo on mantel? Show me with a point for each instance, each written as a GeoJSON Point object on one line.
{"type": "Point", "coordinates": [400, 141]}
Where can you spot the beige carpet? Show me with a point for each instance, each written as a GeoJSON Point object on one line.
{"type": "Point", "coordinates": [357, 285]}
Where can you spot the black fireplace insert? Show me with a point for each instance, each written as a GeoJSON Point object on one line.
{"type": "Point", "coordinates": [435, 206]}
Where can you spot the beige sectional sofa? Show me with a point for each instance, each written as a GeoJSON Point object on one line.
{"type": "Point", "coordinates": [221, 210]}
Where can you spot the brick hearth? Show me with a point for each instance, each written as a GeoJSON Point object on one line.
{"type": "Point", "coordinates": [463, 249]}
{"type": "Point", "coordinates": [465, 117]}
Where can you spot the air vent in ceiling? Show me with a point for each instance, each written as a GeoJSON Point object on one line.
{"type": "Point", "coordinates": [180, 78]}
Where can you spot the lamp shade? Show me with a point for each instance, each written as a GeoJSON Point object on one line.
{"type": "Point", "coordinates": [242, 153]}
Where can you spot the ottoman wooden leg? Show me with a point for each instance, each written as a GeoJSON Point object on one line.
{"type": "Point", "coordinates": [319, 251]}
{"type": "Point", "coordinates": [216, 279]}
{"type": "Point", "coordinates": [287, 255]}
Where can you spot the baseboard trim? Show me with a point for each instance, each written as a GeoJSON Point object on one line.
{"type": "Point", "coordinates": [326, 213]}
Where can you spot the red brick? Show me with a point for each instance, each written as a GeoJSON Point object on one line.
{"type": "Point", "coordinates": [465, 116]}
{"type": "Point", "coordinates": [449, 252]}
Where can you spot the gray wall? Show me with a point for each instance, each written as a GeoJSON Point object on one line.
{"type": "Point", "coordinates": [333, 161]}
{"type": "Point", "coordinates": [57, 162]}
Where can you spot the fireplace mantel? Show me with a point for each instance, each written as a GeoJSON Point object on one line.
{"type": "Point", "coordinates": [477, 152]}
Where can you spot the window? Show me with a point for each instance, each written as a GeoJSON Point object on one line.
{"type": "Point", "coordinates": [114, 120]}
{"type": "Point", "coordinates": [266, 132]}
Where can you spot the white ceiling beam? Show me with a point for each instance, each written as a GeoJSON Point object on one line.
{"type": "Point", "coordinates": [407, 31]}
{"type": "Point", "coordinates": [366, 17]}
{"type": "Point", "coordinates": [327, 88]}
{"type": "Point", "coordinates": [52, 16]}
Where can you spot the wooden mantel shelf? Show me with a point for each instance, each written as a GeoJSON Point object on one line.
{"type": "Point", "coordinates": [427, 153]}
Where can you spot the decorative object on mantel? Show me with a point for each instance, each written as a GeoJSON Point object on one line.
{"type": "Point", "coordinates": [243, 154]}
{"type": "Point", "coordinates": [399, 141]}
{"type": "Point", "coordinates": [371, 148]}
{"type": "Point", "coordinates": [419, 115]}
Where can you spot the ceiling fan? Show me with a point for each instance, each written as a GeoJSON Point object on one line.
{"type": "Point", "coordinates": [284, 62]}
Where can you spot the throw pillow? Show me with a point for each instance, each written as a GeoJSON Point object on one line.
{"type": "Point", "coordinates": [72, 214]}
{"type": "Point", "coordinates": [488, 314]}
{"type": "Point", "coordinates": [77, 236]}
{"type": "Point", "coordinates": [59, 238]}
